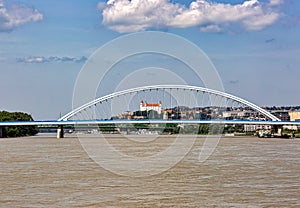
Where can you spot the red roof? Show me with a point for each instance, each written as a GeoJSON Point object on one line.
{"type": "Point", "coordinates": [153, 105]}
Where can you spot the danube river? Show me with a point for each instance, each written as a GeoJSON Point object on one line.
{"type": "Point", "coordinates": [242, 172]}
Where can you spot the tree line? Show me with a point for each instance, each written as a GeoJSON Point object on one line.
{"type": "Point", "coordinates": [17, 131]}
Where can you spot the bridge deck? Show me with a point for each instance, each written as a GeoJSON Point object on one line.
{"type": "Point", "coordinates": [56, 123]}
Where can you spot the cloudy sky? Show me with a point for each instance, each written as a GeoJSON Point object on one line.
{"type": "Point", "coordinates": [253, 44]}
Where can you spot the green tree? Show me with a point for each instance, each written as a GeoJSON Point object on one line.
{"type": "Point", "coordinates": [203, 129]}
{"type": "Point", "coordinates": [17, 131]}
{"type": "Point", "coordinates": [171, 129]}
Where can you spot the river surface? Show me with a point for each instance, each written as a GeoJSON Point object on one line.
{"type": "Point", "coordinates": [247, 172]}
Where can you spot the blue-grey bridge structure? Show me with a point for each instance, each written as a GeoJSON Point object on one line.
{"type": "Point", "coordinates": [70, 118]}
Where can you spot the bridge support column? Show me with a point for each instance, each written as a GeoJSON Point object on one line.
{"type": "Point", "coordinates": [1, 131]}
{"type": "Point", "coordinates": [60, 132]}
{"type": "Point", "coordinates": [278, 130]}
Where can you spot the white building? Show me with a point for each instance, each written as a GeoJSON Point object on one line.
{"type": "Point", "coordinates": [144, 106]}
{"type": "Point", "coordinates": [251, 128]}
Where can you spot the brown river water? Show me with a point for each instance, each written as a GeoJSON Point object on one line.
{"type": "Point", "coordinates": [247, 172]}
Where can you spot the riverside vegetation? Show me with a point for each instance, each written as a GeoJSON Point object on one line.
{"type": "Point", "coordinates": [17, 131]}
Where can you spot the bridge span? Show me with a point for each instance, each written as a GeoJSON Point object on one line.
{"type": "Point", "coordinates": [190, 94]}
{"type": "Point", "coordinates": [61, 124]}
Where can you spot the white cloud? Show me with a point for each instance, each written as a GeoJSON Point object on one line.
{"type": "Point", "coordinates": [42, 59]}
{"type": "Point", "coordinates": [276, 2]}
{"type": "Point", "coordinates": [101, 5]}
{"type": "Point", "coordinates": [16, 16]}
{"type": "Point", "coordinates": [138, 15]}
{"type": "Point", "coordinates": [211, 28]}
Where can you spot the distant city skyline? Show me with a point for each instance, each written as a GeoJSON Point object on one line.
{"type": "Point", "coordinates": [253, 44]}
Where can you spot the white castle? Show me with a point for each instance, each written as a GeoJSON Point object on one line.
{"type": "Point", "coordinates": [144, 106]}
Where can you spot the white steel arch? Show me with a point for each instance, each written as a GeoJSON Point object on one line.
{"type": "Point", "coordinates": [157, 87]}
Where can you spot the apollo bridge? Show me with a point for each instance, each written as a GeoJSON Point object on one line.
{"type": "Point", "coordinates": [175, 104]}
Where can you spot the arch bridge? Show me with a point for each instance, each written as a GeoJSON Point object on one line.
{"type": "Point", "coordinates": [181, 99]}
{"type": "Point", "coordinates": [190, 94]}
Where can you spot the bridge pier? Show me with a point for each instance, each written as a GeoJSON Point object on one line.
{"type": "Point", "coordinates": [278, 130]}
{"type": "Point", "coordinates": [1, 131]}
{"type": "Point", "coordinates": [60, 132]}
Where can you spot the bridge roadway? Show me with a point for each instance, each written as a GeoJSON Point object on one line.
{"type": "Point", "coordinates": [145, 121]}
{"type": "Point", "coordinates": [61, 124]}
